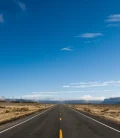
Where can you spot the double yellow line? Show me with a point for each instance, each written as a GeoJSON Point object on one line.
{"type": "Point", "coordinates": [60, 117]}
{"type": "Point", "coordinates": [60, 132]}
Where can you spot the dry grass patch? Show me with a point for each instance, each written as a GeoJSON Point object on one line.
{"type": "Point", "coordinates": [13, 111]}
{"type": "Point", "coordinates": [110, 112]}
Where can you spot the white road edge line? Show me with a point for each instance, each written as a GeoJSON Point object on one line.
{"type": "Point", "coordinates": [97, 121]}
{"type": "Point", "coordinates": [24, 121]}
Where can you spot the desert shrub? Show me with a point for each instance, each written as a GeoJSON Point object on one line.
{"type": "Point", "coordinates": [7, 111]}
{"type": "Point", "coordinates": [20, 109]}
{"type": "Point", "coordinates": [24, 109]}
{"type": "Point", "coordinates": [2, 106]}
{"type": "Point", "coordinates": [87, 109]}
{"type": "Point", "coordinates": [104, 110]}
{"type": "Point", "coordinates": [118, 113]}
{"type": "Point", "coordinates": [16, 113]}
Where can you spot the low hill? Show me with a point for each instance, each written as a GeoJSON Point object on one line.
{"type": "Point", "coordinates": [82, 102]}
{"type": "Point", "coordinates": [115, 100]}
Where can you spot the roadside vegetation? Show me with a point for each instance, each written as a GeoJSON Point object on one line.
{"type": "Point", "coordinates": [12, 111]}
{"type": "Point", "coordinates": [110, 112]}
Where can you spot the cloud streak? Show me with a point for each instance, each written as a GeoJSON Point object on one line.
{"type": "Point", "coordinates": [60, 92]}
{"type": "Point", "coordinates": [92, 84]}
{"type": "Point", "coordinates": [92, 41]}
{"type": "Point", "coordinates": [53, 97]}
{"type": "Point", "coordinates": [37, 96]}
{"type": "Point", "coordinates": [66, 49]}
{"type": "Point", "coordinates": [89, 98]}
{"type": "Point", "coordinates": [1, 18]}
{"type": "Point", "coordinates": [22, 5]}
{"type": "Point", "coordinates": [113, 18]}
{"type": "Point", "coordinates": [113, 25]}
{"type": "Point", "coordinates": [2, 98]}
{"type": "Point", "coordinates": [90, 35]}
{"type": "Point", "coordinates": [44, 92]}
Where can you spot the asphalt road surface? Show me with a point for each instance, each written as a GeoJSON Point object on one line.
{"type": "Point", "coordinates": [60, 122]}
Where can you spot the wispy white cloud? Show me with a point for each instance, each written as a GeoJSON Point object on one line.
{"type": "Point", "coordinates": [53, 97]}
{"type": "Point", "coordinates": [85, 98]}
{"type": "Point", "coordinates": [44, 92]}
{"type": "Point", "coordinates": [1, 18]}
{"type": "Point", "coordinates": [115, 95]}
{"type": "Point", "coordinates": [113, 25]}
{"type": "Point", "coordinates": [89, 98]}
{"type": "Point", "coordinates": [22, 5]}
{"type": "Point", "coordinates": [92, 41]}
{"type": "Point", "coordinates": [37, 96]}
{"type": "Point", "coordinates": [113, 18]}
{"type": "Point", "coordinates": [90, 35]}
{"type": "Point", "coordinates": [66, 49]}
{"type": "Point", "coordinates": [60, 92]}
{"type": "Point", "coordinates": [93, 84]}
{"type": "Point", "coordinates": [84, 83]}
{"type": "Point", "coordinates": [107, 90]}
{"type": "Point", "coordinates": [72, 92]}
{"type": "Point", "coordinates": [2, 98]}
{"type": "Point", "coordinates": [66, 86]}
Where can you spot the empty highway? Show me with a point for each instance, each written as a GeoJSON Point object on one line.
{"type": "Point", "coordinates": [60, 122]}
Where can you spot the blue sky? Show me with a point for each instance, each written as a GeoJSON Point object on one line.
{"type": "Point", "coordinates": [60, 49]}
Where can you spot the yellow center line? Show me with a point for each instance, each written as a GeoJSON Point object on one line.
{"type": "Point", "coordinates": [60, 134]}
{"type": "Point", "coordinates": [60, 113]}
{"type": "Point", "coordinates": [60, 119]}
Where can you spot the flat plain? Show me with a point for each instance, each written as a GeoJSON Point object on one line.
{"type": "Point", "coordinates": [12, 111]}
{"type": "Point", "coordinates": [109, 112]}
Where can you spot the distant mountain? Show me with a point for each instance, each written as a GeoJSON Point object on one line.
{"type": "Point", "coordinates": [70, 102]}
{"type": "Point", "coordinates": [115, 100]}
{"type": "Point", "coordinates": [73, 101]}
{"type": "Point", "coordinates": [2, 98]}
{"type": "Point", "coordinates": [49, 102]}
{"type": "Point", "coordinates": [53, 101]}
{"type": "Point", "coordinates": [19, 100]}
{"type": "Point", "coordinates": [81, 101]}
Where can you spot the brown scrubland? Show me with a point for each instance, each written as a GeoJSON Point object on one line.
{"type": "Point", "coordinates": [12, 111]}
{"type": "Point", "coordinates": [110, 112]}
